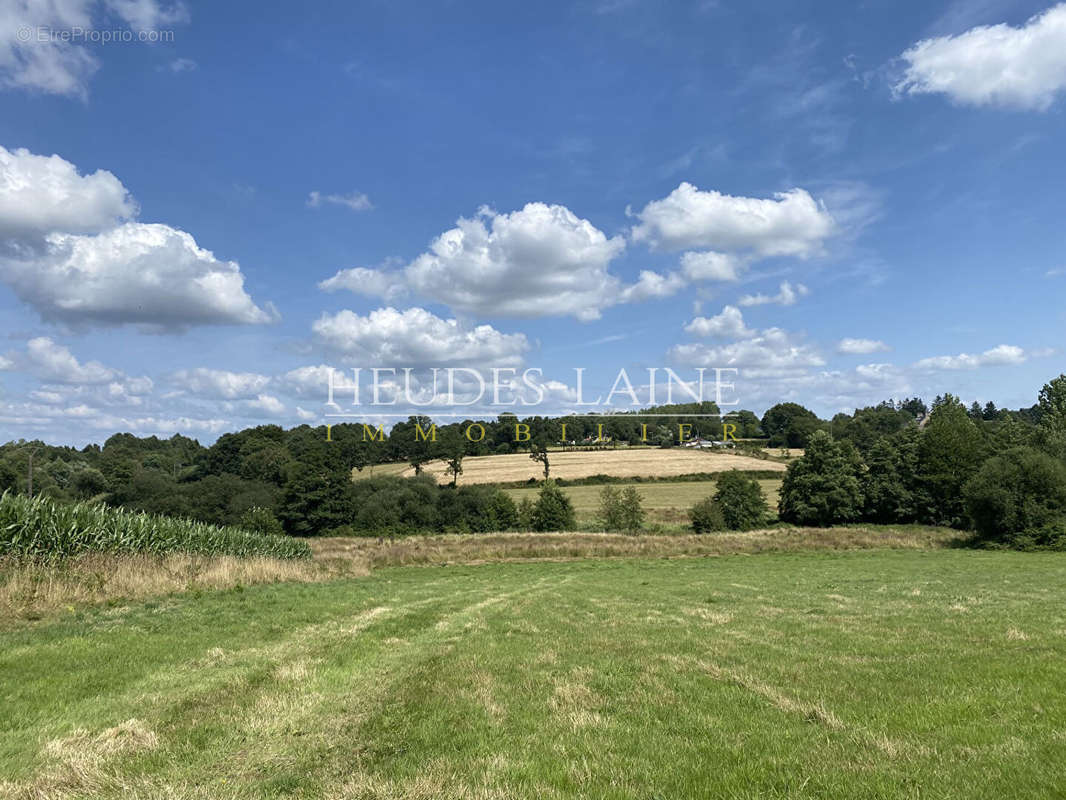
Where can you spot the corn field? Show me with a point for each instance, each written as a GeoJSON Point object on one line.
{"type": "Point", "coordinates": [40, 528]}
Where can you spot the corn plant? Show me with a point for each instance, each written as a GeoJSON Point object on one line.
{"type": "Point", "coordinates": [40, 528]}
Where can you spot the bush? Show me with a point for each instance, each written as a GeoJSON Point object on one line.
{"type": "Point", "coordinates": [261, 520]}
{"type": "Point", "coordinates": [1018, 493]}
{"type": "Point", "coordinates": [525, 514]}
{"type": "Point", "coordinates": [553, 510]}
{"type": "Point", "coordinates": [707, 516]}
{"type": "Point", "coordinates": [822, 487]}
{"type": "Point", "coordinates": [741, 502]}
{"type": "Point", "coordinates": [610, 514]}
{"type": "Point", "coordinates": [1047, 537]}
{"type": "Point", "coordinates": [475, 509]}
{"type": "Point", "coordinates": [632, 510]}
{"type": "Point", "coordinates": [621, 509]}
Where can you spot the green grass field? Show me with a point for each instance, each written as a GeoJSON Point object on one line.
{"type": "Point", "coordinates": [665, 502]}
{"type": "Point", "coordinates": [862, 674]}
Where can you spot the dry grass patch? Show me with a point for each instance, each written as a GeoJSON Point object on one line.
{"type": "Point", "coordinates": [81, 764]}
{"type": "Point", "coordinates": [29, 590]}
{"type": "Point", "coordinates": [482, 548]}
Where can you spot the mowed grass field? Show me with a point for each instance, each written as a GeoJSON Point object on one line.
{"type": "Point", "coordinates": [622, 463]}
{"type": "Point", "coordinates": [918, 673]}
{"type": "Point", "coordinates": [665, 502]}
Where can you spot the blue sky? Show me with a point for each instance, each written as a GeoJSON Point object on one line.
{"type": "Point", "coordinates": [637, 182]}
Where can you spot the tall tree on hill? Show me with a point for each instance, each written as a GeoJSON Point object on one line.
{"type": "Point", "coordinates": [538, 451]}
{"type": "Point", "coordinates": [414, 441]}
{"type": "Point", "coordinates": [451, 448]}
{"type": "Point", "coordinates": [790, 425]}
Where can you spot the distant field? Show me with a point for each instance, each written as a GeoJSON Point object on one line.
{"type": "Point", "coordinates": [398, 468]}
{"type": "Point", "coordinates": [873, 674]}
{"type": "Point", "coordinates": [665, 502]}
{"type": "Point", "coordinates": [622, 463]}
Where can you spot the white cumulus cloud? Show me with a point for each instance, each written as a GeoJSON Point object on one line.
{"type": "Point", "coordinates": [787, 295]}
{"type": "Point", "coordinates": [769, 352]}
{"type": "Point", "coordinates": [1002, 355]}
{"type": "Point", "coordinates": [861, 346]}
{"type": "Point", "coordinates": [149, 274]}
{"type": "Point", "coordinates": [415, 337]}
{"type": "Point", "coordinates": [365, 281]}
{"type": "Point", "coordinates": [219, 383]}
{"type": "Point", "coordinates": [727, 325]}
{"type": "Point", "coordinates": [70, 252]}
{"type": "Point", "coordinates": [993, 65]}
{"type": "Point", "coordinates": [542, 260]}
{"type": "Point", "coordinates": [711, 266]}
{"type": "Point", "coordinates": [40, 194]}
{"type": "Point", "coordinates": [792, 223]}
{"type": "Point", "coordinates": [56, 364]}
{"type": "Point", "coordinates": [33, 59]}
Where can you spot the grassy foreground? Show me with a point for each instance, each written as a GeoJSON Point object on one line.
{"type": "Point", "coordinates": [889, 673]}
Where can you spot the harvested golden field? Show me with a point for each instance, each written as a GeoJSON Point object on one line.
{"type": "Point", "coordinates": [636, 463]}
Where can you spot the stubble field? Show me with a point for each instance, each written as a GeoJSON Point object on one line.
{"type": "Point", "coordinates": [621, 463]}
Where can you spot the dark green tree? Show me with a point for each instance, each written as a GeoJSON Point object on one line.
{"type": "Point", "coordinates": [1016, 493]}
{"type": "Point", "coordinates": [451, 448]}
{"type": "Point", "coordinates": [632, 507]}
{"type": "Point", "coordinates": [706, 516]}
{"type": "Point", "coordinates": [1052, 426]}
{"type": "Point", "coordinates": [822, 487]}
{"type": "Point", "coordinates": [789, 425]}
{"type": "Point", "coordinates": [951, 450]}
{"type": "Point", "coordinates": [315, 500]}
{"type": "Point", "coordinates": [741, 501]}
{"type": "Point", "coordinates": [886, 485]}
{"type": "Point", "coordinates": [553, 510]}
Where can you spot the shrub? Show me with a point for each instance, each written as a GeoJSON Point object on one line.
{"type": "Point", "coordinates": [475, 509]}
{"type": "Point", "coordinates": [707, 517]}
{"type": "Point", "coordinates": [261, 520]}
{"type": "Point", "coordinates": [525, 514]}
{"type": "Point", "coordinates": [553, 510]}
{"type": "Point", "coordinates": [1018, 493]}
{"type": "Point", "coordinates": [822, 487]}
{"type": "Point", "coordinates": [632, 509]}
{"type": "Point", "coordinates": [621, 509]}
{"type": "Point", "coordinates": [610, 513]}
{"type": "Point", "coordinates": [741, 502]}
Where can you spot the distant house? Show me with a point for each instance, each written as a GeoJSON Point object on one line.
{"type": "Point", "coordinates": [699, 443]}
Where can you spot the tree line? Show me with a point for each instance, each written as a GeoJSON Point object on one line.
{"type": "Point", "coordinates": [894, 462]}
